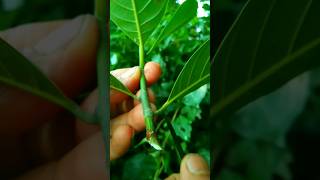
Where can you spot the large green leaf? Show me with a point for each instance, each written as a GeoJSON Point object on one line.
{"type": "Point", "coordinates": [269, 43]}
{"type": "Point", "coordinates": [117, 85]}
{"type": "Point", "coordinates": [17, 71]}
{"type": "Point", "coordinates": [184, 14]}
{"type": "Point", "coordinates": [134, 16]}
{"type": "Point", "coordinates": [195, 73]}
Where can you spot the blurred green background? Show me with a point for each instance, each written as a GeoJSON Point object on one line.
{"type": "Point", "coordinates": [274, 137]}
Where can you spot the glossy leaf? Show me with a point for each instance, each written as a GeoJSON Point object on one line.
{"type": "Point", "coordinates": [184, 14]}
{"type": "Point", "coordinates": [117, 85]}
{"type": "Point", "coordinates": [264, 49]}
{"type": "Point", "coordinates": [17, 71]}
{"type": "Point", "coordinates": [135, 16]}
{"type": "Point", "coordinates": [195, 73]}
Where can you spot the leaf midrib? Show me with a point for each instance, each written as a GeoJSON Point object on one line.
{"type": "Point", "coordinates": [123, 91]}
{"type": "Point", "coordinates": [262, 76]}
{"type": "Point", "coordinates": [135, 13]}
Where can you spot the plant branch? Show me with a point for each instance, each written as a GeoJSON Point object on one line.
{"type": "Point", "coordinates": [177, 145]}
{"type": "Point", "coordinates": [102, 73]}
{"type": "Point", "coordinates": [147, 111]}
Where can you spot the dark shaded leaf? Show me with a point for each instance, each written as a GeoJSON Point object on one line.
{"type": "Point", "coordinates": [140, 166]}
{"type": "Point", "coordinates": [17, 71]}
{"type": "Point", "coordinates": [264, 49]}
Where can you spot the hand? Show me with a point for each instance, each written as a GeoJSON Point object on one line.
{"type": "Point", "coordinates": [39, 135]}
{"type": "Point", "coordinates": [193, 167]}
{"type": "Point", "coordinates": [126, 114]}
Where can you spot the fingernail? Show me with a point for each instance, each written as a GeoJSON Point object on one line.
{"type": "Point", "coordinates": [61, 37]}
{"type": "Point", "coordinates": [197, 165]}
{"type": "Point", "coordinates": [128, 74]}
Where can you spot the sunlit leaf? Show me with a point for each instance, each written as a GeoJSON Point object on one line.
{"type": "Point", "coordinates": [137, 16]}
{"type": "Point", "coordinates": [117, 85]}
{"type": "Point", "coordinates": [184, 14]}
{"type": "Point", "coordinates": [195, 73]}
{"type": "Point", "coordinates": [183, 127]}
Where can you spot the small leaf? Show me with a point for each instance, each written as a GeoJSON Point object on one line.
{"type": "Point", "coordinates": [182, 126]}
{"type": "Point", "coordinates": [195, 73]}
{"type": "Point", "coordinates": [184, 14]}
{"type": "Point", "coordinates": [137, 18]}
{"type": "Point", "coordinates": [195, 98]}
{"type": "Point", "coordinates": [18, 71]}
{"type": "Point", "coordinates": [117, 85]}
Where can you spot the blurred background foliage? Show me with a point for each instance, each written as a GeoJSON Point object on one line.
{"type": "Point", "coordinates": [275, 137]}
{"type": "Point", "coordinates": [191, 113]}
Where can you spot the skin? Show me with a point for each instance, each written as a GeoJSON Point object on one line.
{"type": "Point", "coordinates": [42, 141]}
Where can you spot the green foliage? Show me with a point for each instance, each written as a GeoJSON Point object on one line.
{"type": "Point", "coordinates": [137, 18]}
{"type": "Point", "coordinates": [190, 111]}
{"type": "Point", "coordinates": [184, 14]}
{"type": "Point", "coordinates": [172, 53]}
{"type": "Point", "coordinates": [270, 43]}
{"type": "Point", "coordinates": [132, 168]}
{"type": "Point", "coordinates": [265, 65]}
{"type": "Point", "coordinates": [195, 73]}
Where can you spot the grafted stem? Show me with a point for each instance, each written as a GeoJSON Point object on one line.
{"type": "Point", "coordinates": [147, 111]}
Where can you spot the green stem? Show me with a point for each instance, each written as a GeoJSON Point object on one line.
{"type": "Point", "coordinates": [101, 7]}
{"type": "Point", "coordinates": [177, 145]}
{"type": "Point", "coordinates": [147, 111]}
{"type": "Point", "coordinates": [159, 171]}
{"type": "Point", "coordinates": [174, 136]}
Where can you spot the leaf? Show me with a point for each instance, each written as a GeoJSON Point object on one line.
{"type": "Point", "coordinates": [117, 85]}
{"type": "Point", "coordinates": [18, 71]}
{"type": "Point", "coordinates": [195, 73]}
{"type": "Point", "coordinates": [184, 14]}
{"type": "Point", "coordinates": [264, 48]}
{"type": "Point", "coordinates": [182, 126]}
{"type": "Point", "coordinates": [137, 16]}
{"type": "Point", "coordinates": [194, 98]}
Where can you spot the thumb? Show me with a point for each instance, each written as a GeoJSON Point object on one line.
{"type": "Point", "coordinates": [194, 167]}
{"type": "Point", "coordinates": [65, 52]}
